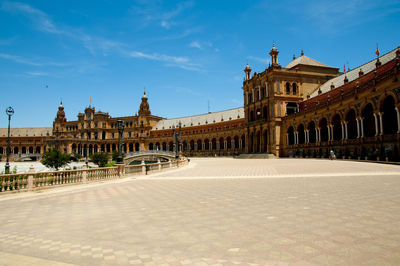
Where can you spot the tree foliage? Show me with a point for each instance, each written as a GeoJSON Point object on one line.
{"type": "Point", "coordinates": [99, 158]}
{"type": "Point", "coordinates": [55, 159]}
{"type": "Point", "coordinates": [115, 156]}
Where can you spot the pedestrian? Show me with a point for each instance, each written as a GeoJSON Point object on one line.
{"type": "Point", "coordinates": [332, 155]}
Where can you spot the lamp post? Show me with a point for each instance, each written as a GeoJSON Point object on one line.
{"type": "Point", "coordinates": [177, 143]}
{"type": "Point", "coordinates": [120, 125]}
{"type": "Point", "coordinates": [9, 112]}
{"type": "Point", "coordinates": [87, 145]}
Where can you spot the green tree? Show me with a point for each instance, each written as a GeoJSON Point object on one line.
{"type": "Point", "coordinates": [115, 156]}
{"type": "Point", "coordinates": [99, 158]}
{"type": "Point", "coordinates": [55, 159]}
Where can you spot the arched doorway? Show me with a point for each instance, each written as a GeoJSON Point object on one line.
{"type": "Point", "coordinates": [368, 120]}
{"type": "Point", "coordinates": [351, 124]}
{"type": "Point", "coordinates": [389, 119]}
{"type": "Point", "coordinates": [311, 132]}
{"type": "Point", "coordinates": [337, 127]}
{"type": "Point", "coordinates": [323, 127]}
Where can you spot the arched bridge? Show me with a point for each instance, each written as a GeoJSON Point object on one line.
{"type": "Point", "coordinates": [148, 156]}
{"type": "Point", "coordinates": [27, 157]}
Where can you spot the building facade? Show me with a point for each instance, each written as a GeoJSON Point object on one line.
{"type": "Point", "coordinates": [303, 109]}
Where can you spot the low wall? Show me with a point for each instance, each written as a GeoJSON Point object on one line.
{"type": "Point", "coordinates": [40, 180]}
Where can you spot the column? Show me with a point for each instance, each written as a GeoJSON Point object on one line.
{"type": "Point", "coordinates": [346, 133]}
{"type": "Point", "coordinates": [225, 144]}
{"type": "Point", "coordinates": [342, 126]}
{"type": "Point", "coordinates": [376, 125]}
{"type": "Point", "coordinates": [329, 132]}
{"type": "Point", "coordinates": [252, 95]}
{"type": "Point", "coordinates": [380, 123]}
{"type": "Point", "coordinates": [203, 145]}
{"type": "Point", "coordinates": [398, 119]}
{"type": "Point", "coordinates": [195, 146]}
{"type": "Point", "coordinates": [358, 128]}
{"type": "Point", "coordinates": [246, 100]}
{"type": "Point", "coordinates": [218, 145]}
{"type": "Point", "coordinates": [362, 126]}
{"type": "Point", "coordinates": [287, 138]}
{"type": "Point", "coordinates": [240, 143]}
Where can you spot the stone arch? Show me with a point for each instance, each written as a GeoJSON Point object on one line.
{"type": "Point", "coordinates": [137, 146]}
{"type": "Point", "coordinates": [236, 140]}
{"type": "Point", "coordinates": [300, 132]}
{"type": "Point", "coordinates": [367, 114]}
{"type": "Point", "coordinates": [30, 149]}
{"type": "Point", "coordinates": [243, 138]}
{"type": "Point", "coordinates": [23, 150]}
{"type": "Point", "coordinates": [131, 147]}
{"type": "Point", "coordinates": [221, 143]}
{"type": "Point", "coordinates": [38, 149]}
{"type": "Point", "coordinates": [199, 145]}
{"type": "Point", "coordinates": [251, 141]}
{"type": "Point", "coordinates": [290, 133]}
{"type": "Point", "coordinates": [389, 118]}
{"type": "Point", "coordinates": [16, 150]}
{"type": "Point", "coordinates": [214, 144]}
{"type": "Point", "coordinates": [151, 146]}
{"type": "Point", "coordinates": [207, 144]}
{"type": "Point", "coordinates": [312, 138]}
{"type": "Point", "coordinates": [265, 138]}
{"type": "Point", "coordinates": [170, 146]}
{"type": "Point", "coordinates": [158, 146]}
{"type": "Point", "coordinates": [229, 143]}
{"type": "Point", "coordinates": [164, 146]}
{"type": "Point", "coordinates": [351, 124]}
{"type": "Point", "coordinates": [251, 115]}
{"type": "Point", "coordinates": [102, 148]}
{"type": "Point", "coordinates": [323, 127]}
{"type": "Point", "coordinates": [192, 145]}
{"type": "Point", "coordinates": [337, 127]}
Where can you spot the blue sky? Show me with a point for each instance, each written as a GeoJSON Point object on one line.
{"type": "Point", "coordinates": [185, 53]}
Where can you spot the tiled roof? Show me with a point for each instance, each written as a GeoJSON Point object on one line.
{"type": "Point", "coordinates": [204, 119]}
{"type": "Point", "coordinates": [27, 132]}
{"type": "Point", "coordinates": [304, 60]}
{"type": "Point", "coordinates": [353, 74]}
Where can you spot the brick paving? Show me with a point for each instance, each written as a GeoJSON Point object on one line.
{"type": "Point", "coordinates": [213, 212]}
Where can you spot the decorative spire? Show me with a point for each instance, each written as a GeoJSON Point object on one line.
{"type": "Point", "coordinates": [302, 52]}
{"type": "Point", "coordinates": [247, 71]}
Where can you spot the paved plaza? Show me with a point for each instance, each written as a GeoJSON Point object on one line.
{"type": "Point", "coordinates": [216, 211]}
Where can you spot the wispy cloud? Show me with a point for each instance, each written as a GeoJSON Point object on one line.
{"type": "Point", "coordinates": [37, 74]}
{"type": "Point", "coordinates": [258, 59]}
{"type": "Point", "coordinates": [176, 61]}
{"type": "Point", "coordinates": [30, 61]}
{"type": "Point", "coordinates": [95, 44]}
{"type": "Point", "coordinates": [7, 41]}
{"type": "Point", "coordinates": [200, 45]}
{"type": "Point", "coordinates": [153, 12]}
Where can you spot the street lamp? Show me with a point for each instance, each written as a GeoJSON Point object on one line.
{"type": "Point", "coordinates": [9, 112]}
{"type": "Point", "coordinates": [120, 125]}
{"type": "Point", "coordinates": [177, 144]}
{"type": "Point", "coordinates": [87, 145]}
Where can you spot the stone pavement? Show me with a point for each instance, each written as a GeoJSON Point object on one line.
{"type": "Point", "coordinates": [214, 212]}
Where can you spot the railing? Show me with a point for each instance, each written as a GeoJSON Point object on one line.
{"type": "Point", "coordinates": [37, 180]}
{"type": "Point", "coordinates": [159, 152]}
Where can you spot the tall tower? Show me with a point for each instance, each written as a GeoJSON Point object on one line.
{"type": "Point", "coordinates": [247, 71]}
{"type": "Point", "coordinates": [274, 57]}
{"type": "Point", "coordinates": [144, 106]}
{"type": "Point", "coordinates": [60, 118]}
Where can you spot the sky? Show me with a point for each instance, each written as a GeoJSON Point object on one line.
{"type": "Point", "coordinates": [189, 56]}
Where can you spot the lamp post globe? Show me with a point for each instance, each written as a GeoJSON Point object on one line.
{"type": "Point", "coordinates": [9, 112]}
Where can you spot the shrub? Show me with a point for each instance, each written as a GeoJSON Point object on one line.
{"type": "Point", "coordinates": [100, 159]}
{"type": "Point", "coordinates": [55, 159]}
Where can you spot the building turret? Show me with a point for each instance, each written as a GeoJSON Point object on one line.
{"type": "Point", "coordinates": [60, 118]}
{"type": "Point", "coordinates": [144, 106]}
{"type": "Point", "coordinates": [274, 57]}
{"type": "Point", "coordinates": [247, 71]}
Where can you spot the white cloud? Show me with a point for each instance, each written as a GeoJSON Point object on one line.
{"type": "Point", "coordinates": [195, 44]}
{"type": "Point", "coordinates": [36, 74]}
{"type": "Point", "coordinates": [30, 61]}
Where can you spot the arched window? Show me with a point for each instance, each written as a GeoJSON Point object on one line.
{"type": "Point", "coordinates": [294, 88]}
{"type": "Point", "coordinates": [337, 127]}
{"type": "Point", "coordinates": [300, 130]}
{"type": "Point", "coordinates": [323, 125]}
{"type": "Point", "coordinates": [311, 132]}
{"type": "Point", "coordinates": [287, 88]}
{"type": "Point", "coordinates": [369, 120]}
{"type": "Point", "coordinates": [351, 124]}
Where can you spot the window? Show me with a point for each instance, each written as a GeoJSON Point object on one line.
{"type": "Point", "coordinates": [288, 88]}
{"type": "Point", "coordinates": [278, 86]}
{"type": "Point", "coordinates": [294, 87]}
{"type": "Point", "coordinates": [266, 89]}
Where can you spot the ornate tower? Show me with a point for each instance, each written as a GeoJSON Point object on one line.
{"type": "Point", "coordinates": [144, 106]}
{"type": "Point", "coordinates": [274, 57]}
{"type": "Point", "coordinates": [247, 71]}
{"type": "Point", "coordinates": [60, 118]}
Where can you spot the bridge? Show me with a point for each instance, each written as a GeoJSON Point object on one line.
{"type": "Point", "coordinates": [26, 157]}
{"type": "Point", "coordinates": [151, 155]}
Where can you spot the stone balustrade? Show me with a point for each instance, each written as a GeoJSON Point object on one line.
{"type": "Point", "coordinates": [39, 180]}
